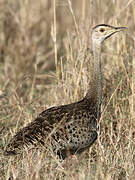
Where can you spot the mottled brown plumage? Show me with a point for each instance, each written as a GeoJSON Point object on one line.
{"type": "Point", "coordinates": [73, 127]}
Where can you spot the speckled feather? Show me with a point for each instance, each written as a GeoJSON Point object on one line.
{"type": "Point", "coordinates": [66, 128]}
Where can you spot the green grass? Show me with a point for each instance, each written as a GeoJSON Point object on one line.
{"type": "Point", "coordinates": [43, 63]}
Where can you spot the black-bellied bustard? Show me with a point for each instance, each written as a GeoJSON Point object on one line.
{"type": "Point", "coordinates": [73, 127]}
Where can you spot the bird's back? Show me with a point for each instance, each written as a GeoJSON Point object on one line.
{"type": "Point", "coordinates": [69, 127]}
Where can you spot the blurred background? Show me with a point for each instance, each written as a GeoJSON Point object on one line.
{"type": "Point", "coordinates": [45, 60]}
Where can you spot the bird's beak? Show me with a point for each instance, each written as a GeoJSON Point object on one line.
{"type": "Point", "coordinates": [117, 29]}
{"type": "Point", "coordinates": [114, 30]}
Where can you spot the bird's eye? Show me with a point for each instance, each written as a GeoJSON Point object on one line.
{"type": "Point", "coordinates": [102, 30]}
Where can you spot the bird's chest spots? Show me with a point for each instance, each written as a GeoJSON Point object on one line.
{"type": "Point", "coordinates": [75, 131]}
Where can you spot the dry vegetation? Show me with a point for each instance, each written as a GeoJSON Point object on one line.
{"type": "Point", "coordinates": [43, 63]}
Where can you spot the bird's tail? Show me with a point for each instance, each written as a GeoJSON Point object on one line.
{"type": "Point", "coordinates": [26, 137]}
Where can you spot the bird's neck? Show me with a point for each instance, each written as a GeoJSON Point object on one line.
{"type": "Point", "coordinates": [94, 93]}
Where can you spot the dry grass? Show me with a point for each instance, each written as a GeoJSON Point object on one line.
{"type": "Point", "coordinates": [43, 63]}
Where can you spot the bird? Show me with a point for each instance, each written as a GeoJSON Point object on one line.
{"type": "Point", "coordinates": [71, 128]}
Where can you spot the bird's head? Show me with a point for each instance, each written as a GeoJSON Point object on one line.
{"type": "Point", "coordinates": [103, 31]}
